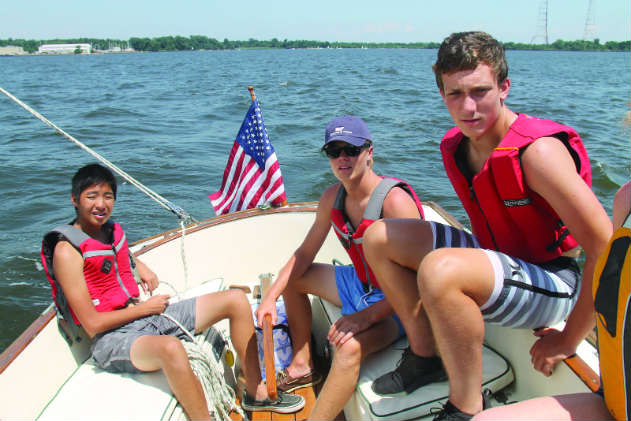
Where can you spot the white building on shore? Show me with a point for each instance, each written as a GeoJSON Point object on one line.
{"type": "Point", "coordinates": [64, 48]}
{"type": "Point", "coordinates": [12, 50]}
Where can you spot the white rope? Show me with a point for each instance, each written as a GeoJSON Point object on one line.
{"type": "Point", "coordinates": [183, 254]}
{"type": "Point", "coordinates": [220, 397]}
{"type": "Point", "coordinates": [181, 213]}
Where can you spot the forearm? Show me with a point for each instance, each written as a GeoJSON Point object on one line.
{"type": "Point", "coordinates": [102, 322]}
{"type": "Point", "coordinates": [143, 270]}
{"type": "Point", "coordinates": [378, 311]}
{"type": "Point", "coordinates": [582, 320]}
{"type": "Point", "coordinates": [293, 269]}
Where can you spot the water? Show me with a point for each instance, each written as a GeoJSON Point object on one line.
{"type": "Point", "coordinates": [169, 120]}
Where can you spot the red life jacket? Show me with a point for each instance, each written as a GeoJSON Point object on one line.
{"type": "Point", "coordinates": [350, 237]}
{"type": "Point", "coordinates": [106, 269]}
{"type": "Point", "coordinates": [505, 214]}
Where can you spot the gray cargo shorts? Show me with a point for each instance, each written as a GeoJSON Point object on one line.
{"type": "Point", "coordinates": [111, 349]}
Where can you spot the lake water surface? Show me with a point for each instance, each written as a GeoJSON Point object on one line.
{"type": "Point", "coordinates": [169, 120]}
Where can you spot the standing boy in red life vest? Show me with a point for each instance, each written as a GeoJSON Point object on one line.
{"type": "Point", "coordinates": [87, 262]}
{"type": "Point", "coordinates": [525, 183]}
{"type": "Point", "coordinates": [367, 325]}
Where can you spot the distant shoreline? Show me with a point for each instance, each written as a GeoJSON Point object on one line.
{"type": "Point", "coordinates": [199, 42]}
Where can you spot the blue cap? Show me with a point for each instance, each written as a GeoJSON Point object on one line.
{"type": "Point", "coordinates": [349, 129]}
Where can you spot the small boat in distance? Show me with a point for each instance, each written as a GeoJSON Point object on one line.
{"type": "Point", "coordinates": [42, 376]}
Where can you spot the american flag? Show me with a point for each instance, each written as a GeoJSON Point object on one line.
{"type": "Point", "coordinates": [252, 176]}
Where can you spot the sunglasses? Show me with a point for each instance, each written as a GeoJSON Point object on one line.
{"type": "Point", "coordinates": [350, 150]}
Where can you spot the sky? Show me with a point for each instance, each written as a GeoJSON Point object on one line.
{"type": "Point", "coordinates": [322, 20]}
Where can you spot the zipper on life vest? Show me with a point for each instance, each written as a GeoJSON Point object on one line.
{"type": "Point", "coordinates": [474, 197]}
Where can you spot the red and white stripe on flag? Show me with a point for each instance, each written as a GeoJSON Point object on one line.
{"type": "Point", "coordinates": [245, 185]}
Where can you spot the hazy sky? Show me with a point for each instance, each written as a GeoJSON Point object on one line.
{"type": "Point", "coordinates": [324, 20]}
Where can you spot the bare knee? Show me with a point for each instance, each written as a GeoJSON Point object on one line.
{"type": "Point", "coordinates": [237, 301]}
{"type": "Point", "coordinates": [349, 354]}
{"type": "Point", "coordinates": [172, 353]}
{"type": "Point", "coordinates": [438, 273]}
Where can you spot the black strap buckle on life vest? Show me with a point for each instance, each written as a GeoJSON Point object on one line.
{"type": "Point", "coordinates": [562, 236]}
{"type": "Point", "coordinates": [346, 240]}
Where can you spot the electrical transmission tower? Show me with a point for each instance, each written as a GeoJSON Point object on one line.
{"type": "Point", "coordinates": [590, 23]}
{"type": "Point", "coordinates": [542, 23]}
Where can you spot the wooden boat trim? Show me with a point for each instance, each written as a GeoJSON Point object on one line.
{"type": "Point", "coordinates": [25, 338]}
{"type": "Point", "coordinates": [584, 372]}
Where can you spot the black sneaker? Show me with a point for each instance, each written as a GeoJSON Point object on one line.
{"type": "Point", "coordinates": [411, 373]}
{"type": "Point", "coordinates": [449, 412]}
{"type": "Point", "coordinates": [284, 404]}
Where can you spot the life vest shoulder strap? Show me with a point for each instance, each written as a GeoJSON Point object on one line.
{"type": "Point", "coordinates": [339, 198]}
{"type": "Point", "coordinates": [73, 235]}
{"type": "Point", "coordinates": [375, 203]}
{"type": "Point", "coordinates": [67, 325]}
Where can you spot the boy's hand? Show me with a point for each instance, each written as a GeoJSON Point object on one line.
{"type": "Point", "coordinates": [346, 327]}
{"type": "Point", "coordinates": [148, 279]}
{"type": "Point", "coordinates": [156, 304]}
{"type": "Point", "coordinates": [149, 283]}
{"type": "Point", "coordinates": [550, 349]}
{"type": "Point", "coordinates": [266, 307]}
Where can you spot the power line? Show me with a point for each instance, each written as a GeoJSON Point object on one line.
{"type": "Point", "coordinates": [542, 23]}
{"type": "Point", "coordinates": [589, 34]}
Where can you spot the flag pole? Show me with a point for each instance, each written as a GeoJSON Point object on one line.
{"type": "Point", "coordinates": [251, 89]}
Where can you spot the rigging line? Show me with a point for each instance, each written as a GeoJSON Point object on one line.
{"type": "Point", "coordinates": [181, 213]}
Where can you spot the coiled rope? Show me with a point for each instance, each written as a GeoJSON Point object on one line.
{"type": "Point", "coordinates": [220, 397]}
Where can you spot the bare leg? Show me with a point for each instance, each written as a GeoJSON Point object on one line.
{"type": "Point", "coordinates": [318, 280]}
{"type": "Point", "coordinates": [166, 353]}
{"type": "Point", "coordinates": [454, 283]}
{"type": "Point", "coordinates": [234, 306]}
{"type": "Point", "coordinates": [394, 249]}
{"type": "Point", "coordinates": [577, 406]}
{"type": "Point", "coordinates": [344, 374]}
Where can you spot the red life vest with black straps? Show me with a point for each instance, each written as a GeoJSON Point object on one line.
{"type": "Point", "coordinates": [350, 237]}
{"type": "Point", "coordinates": [106, 268]}
{"type": "Point", "coordinates": [505, 214]}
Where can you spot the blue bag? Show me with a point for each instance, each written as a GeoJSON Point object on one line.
{"type": "Point", "coordinates": [283, 352]}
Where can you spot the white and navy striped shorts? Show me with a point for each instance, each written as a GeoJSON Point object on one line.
{"type": "Point", "coordinates": [525, 295]}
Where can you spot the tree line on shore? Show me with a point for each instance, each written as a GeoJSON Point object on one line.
{"type": "Point", "coordinates": [201, 42]}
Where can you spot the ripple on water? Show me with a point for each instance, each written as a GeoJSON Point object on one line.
{"type": "Point", "coordinates": [169, 120]}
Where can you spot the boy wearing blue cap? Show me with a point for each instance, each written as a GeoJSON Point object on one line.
{"type": "Point", "coordinates": [368, 323]}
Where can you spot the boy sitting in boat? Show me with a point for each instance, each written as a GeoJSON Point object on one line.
{"type": "Point", "coordinates": [525, 183]}
{"type": "Point", "coordinates": [368, 323]}
{"type": "Point", "coordinates": [612, 401]}
{"type": "Point", "coordinates": [88, 263]}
